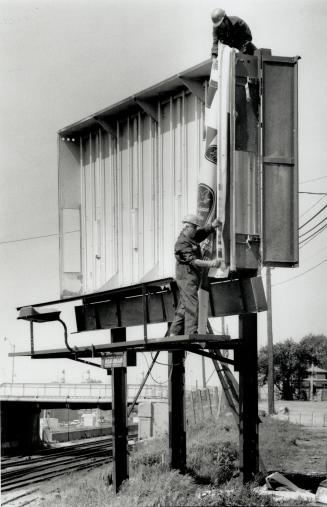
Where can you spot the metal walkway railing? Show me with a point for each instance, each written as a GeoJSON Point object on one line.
{"type": "Point", "coordinates": [74, 392]}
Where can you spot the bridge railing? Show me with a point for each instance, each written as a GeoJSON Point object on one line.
{"type": "Point", "coordinates": [74, 391]}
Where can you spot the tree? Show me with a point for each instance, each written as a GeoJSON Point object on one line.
{"type": "Point", "coordinates": [291, 360]}
{"type": "Point", "coordinates": [316, 347]}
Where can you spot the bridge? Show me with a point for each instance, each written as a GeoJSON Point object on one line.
{"type": "Point", "coordinates": [24, 401]}
{"type": "Point", "coordinates": [62, 394]}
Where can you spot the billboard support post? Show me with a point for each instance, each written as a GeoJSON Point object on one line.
{"type": "Point", "coordinates": [119, 417]}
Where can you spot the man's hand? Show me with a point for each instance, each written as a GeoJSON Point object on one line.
{"type": "Point", "coordinates": [215, 263]}
{"type": "Point", "coordinates": [248, 48]}
{"type": "Point", "coordinates": [216, 224]}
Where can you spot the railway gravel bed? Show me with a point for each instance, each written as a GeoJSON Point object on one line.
{"type": "Point", "coordinates": [24, 471]}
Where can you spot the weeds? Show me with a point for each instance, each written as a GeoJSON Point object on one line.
{"type": "Point", "coordinates": [153, 452]}
{"type": "Point", "coordinates": [212, 456]}
{"type": "Point", "coordinates": [212, 462]}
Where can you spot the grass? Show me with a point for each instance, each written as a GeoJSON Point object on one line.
{"type": "Point", "coordinates": [277, 442]}
{"type": "Point", "coordinates": [212, 463]}
{"type": "Point", "coordinates": [150, 486]}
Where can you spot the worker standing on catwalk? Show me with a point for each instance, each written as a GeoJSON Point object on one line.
{"type": "Point", "coordinates": [189, 269]}
{"type": "Point", "coordinates": [232, 31]}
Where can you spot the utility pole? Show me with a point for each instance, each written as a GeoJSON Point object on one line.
{"type": "Point", "coordinates": [204, 383]}
{"type": "Point", "coordinates": [270, 348]}
{"type": "Point", "coordinates": [311, 382]}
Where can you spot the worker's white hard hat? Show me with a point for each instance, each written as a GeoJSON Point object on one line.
{"type": "Point", "coordinates": [192, 219]}
{"type": "Point", "coordinates": [217, 16]}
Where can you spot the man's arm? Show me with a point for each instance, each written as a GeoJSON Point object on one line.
{"type": "Point", "coordinates": [184, 252]}
{"type": "Point", "coordinates": [203, 232]}
{"type": "Point", "coordinates": [243, 37]}
{"type": "Point", "coordinates": [244, 30]}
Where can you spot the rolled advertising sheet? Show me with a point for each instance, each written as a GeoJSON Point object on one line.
{"type": "Point", "coordinates": [212, 180]}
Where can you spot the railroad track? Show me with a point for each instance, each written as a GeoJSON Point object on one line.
{"type": "Point", "coordinates": [50, 463]}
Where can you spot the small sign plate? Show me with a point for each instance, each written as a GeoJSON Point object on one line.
{"type": "Point", "coordinates": [113, 360]}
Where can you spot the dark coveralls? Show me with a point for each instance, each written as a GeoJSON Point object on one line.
{"type": "Point", "coordinates": [236, 35]}
{"type": "Point", "coordinates": [188, 278]}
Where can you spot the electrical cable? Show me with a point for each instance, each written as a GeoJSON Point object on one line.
{"type": "Point", "coordinates": [313, 179]}
{"type": "Point", "coordinates": [314, 216]}
{"type": "Point", "coordinates": [167, 364]}
{"type": "Point", "coordinates": [213, 371]}
{"type": "Point", "coordinates": [315, 204]}
{"type": "Point", "coordinates": [312, 228]}
{"type": "Point", "coordinates": [300, 274]}
{"type": "Point", "coordinates": [313, 235]}
{"type": "Point", "coordinates": [154, 380]}
{"type": "Point", "coordinates": [314, 193]}
{"type": "Point", "coordinates": [158, 362]}
{"type": "Point", "coordinates": [35, 237]}
{"type": "Point", "coordinates": [305, 241]}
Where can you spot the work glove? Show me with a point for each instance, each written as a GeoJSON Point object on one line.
{"type": "Point", "coordinates": [207, 264]}
{"type": "Point", "coordinates": [248, 48]}
{"type": "Point", "coordinates": [216, 223]}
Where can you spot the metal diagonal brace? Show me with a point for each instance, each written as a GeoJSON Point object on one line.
{"type": "Point", "coordinates": [211, 354]}
{"type": "Point", "coordinates": [143, 383]}
{"type": "Point", "coordinates": [86, 362]}
{"type": "Point", "coordinates": [145, 379]}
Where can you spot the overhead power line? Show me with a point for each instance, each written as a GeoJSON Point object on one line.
{"type": "Point", "coordinates": [314, 216]}
{"type": "Point", "coordinates": [314, 234]}
{"type": "Point", "coordinates": [314, 193]}
{"type": "Point", "coordinates": [312, 228]}
{"type": "Point", "coordinates": [313, 179]}
{"type": "Point", "coordinates": [305, 241]}
{"type": "Point", "coordinates": [300, 274]}
{"type": "Point", "coordinates": [313, 206]}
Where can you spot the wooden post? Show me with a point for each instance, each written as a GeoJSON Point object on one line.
{"type": "Point", "coordinates": [119, 419]}
{"type": "Point", "coordinates": [193, 407]}
{"type": "Point", "coordinates": [248, 398]}
{"type": "Point", "coordinates": [209, 399]}
{"type": "Point", "coordinates": [218, 401]}
{"type": "Point", "coordinates": [176, 397]}
{"type": "Point", "coordinates": [201, 403]}
{"type": "Point", "coordinates": [204, 383]}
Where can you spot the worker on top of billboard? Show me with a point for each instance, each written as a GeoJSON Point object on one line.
{"type": "Point", "coordinates": [232, 31]}
{"type": "Point", "coordinates": [189, 269]}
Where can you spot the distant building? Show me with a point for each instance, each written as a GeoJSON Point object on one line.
{"type": "Point", "coordinates": [315, 384]}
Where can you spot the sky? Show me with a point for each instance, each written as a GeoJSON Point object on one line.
{"type": "Point", "coordinates": [62, 60]}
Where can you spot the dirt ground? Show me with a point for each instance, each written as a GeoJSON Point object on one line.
{"type": "Point", "coordinates": [311, 452]}
{"type": "Point", "coordinates": [305, 413]}
{"type": "Point", "coordinates": [310, 448]}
